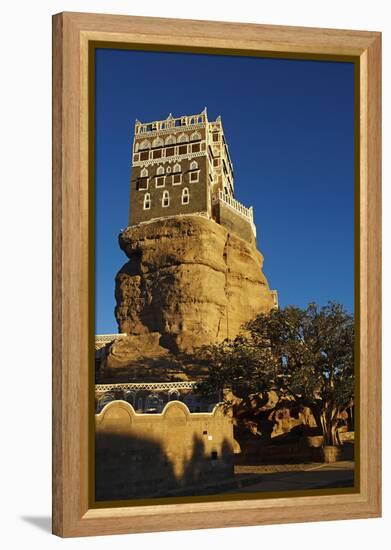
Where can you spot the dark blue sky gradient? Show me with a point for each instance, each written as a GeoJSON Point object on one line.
{"type": "Point", "coordinates": [290, 129]}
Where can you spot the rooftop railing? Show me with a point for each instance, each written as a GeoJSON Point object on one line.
{"type": "Point", "coordinates": [238, 207]}
{"type": "Point", "coordinates": [170, 123]}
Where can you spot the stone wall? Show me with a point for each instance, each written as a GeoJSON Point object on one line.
{"type": "Point", "coordinates": [235, 223]}
{"type": "Point", "coordinates": [142, 456]}
{"type": "Point", "coordinates": [198, 193]}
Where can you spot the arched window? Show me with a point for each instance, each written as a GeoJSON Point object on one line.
{"type": "Point", "coordinates": [145, 144]}
{"type": "Point", "coordinates": [194, 174]}
{"type": "Point", "coordinates": [177, 176]}
{"type": "Point", "coordinates": [153, 403]}
{"type": "Point", "coordinates": [173, 395]}
{"type": "Point", "coordinates": [177, 168]}
{"type": "Point", "coordinates": [160, 180]}
{"type": "Point", "coordinates": [130, 397]}
{"type": "Point", "coordinates": [185, 196]}
{"type": "Point", "coordinates": [195, 136]}
{"type": "Point", "coordinates": [136, 146]}
{"type": "Point", "coordinates": [183, 138]}
{"type": "Point", "coordinates": [170, 140]}
{"type": "Point", "coordinates": [160, 171]}
{"type": "Point", "coordinates": [147, 201]}
{"type": "Point", "coordinates": [166, 199]}
{"type": "Point", "coordinates": [158, 142]}
{"type": "Point", "coordinates": [144, 173]}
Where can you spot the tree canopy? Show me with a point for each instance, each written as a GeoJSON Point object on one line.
{"type": "Point", "coordinates": [306, 354]}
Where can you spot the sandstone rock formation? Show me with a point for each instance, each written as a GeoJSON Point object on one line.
{"type": "Point", "coordinates": [189, 281]}
{"type": "Point", "coordinates": [140, 357]}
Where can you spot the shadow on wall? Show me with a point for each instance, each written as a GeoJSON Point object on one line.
{"type": "Point", "coordinates": [129, 467]}
{"type": "Point", "coordinates": [144, 456]}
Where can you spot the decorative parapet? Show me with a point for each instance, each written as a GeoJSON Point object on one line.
{"type": "Point", "coordinates": [150, 386]}
{"type": "Point", "coordinates": [239, 208]}
{"type": "Point", "coordinates": [101, 340]}
{"type": "Point", "coordinates": [152, 397]}
{"type": "Point", "coordinates": [171, 123]}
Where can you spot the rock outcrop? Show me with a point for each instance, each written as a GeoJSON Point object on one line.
{"type": "Point", "coordinates": [189, 281]}
{"type": "Point", "coordinates": [140, 357]}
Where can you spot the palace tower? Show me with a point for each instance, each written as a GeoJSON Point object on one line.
{"type": "Point", "coordinates": [182, 166]}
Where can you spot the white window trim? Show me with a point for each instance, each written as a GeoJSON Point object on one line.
{"type": "Point", "coordinates": [194, 165]}
{"type": "Point", "coordinates": [182, 145]}
{"type": "Point", "coordinates": [160, 171]}
{"type": "Point", "coordinates": [158, 142]}
{"type": "Point", "coordinates": [141, 152]}
{"type": "Point", "coordinates": [170, 140]}
{"type": "Point", "coordinates": [164, 181]}
{"type": "Point", "coordinates": [192, 174]}
{"type": "Point", "coordinates": [180, 178]}
{"type": "Point", "coordinates": [193, 145]}
{"type": "Point", "coordinates": [143, 188]}
{"type": "Point", "coordinates": [166, 194]}
{"type": "Point", "coordinates": [182, 139]}
{"type": "Point", "coordinates": [147, 199]}
{"type": "Point", "coordinates": [185, 195]}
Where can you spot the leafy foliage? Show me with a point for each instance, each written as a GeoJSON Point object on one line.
{"type": "Point", "coordinates": [304, 353]}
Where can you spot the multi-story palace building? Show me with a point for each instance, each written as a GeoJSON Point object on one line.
{"type": "Point", "coordinates": [182, 166]}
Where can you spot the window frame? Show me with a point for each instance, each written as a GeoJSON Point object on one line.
{"type": "Point", "coordinates": [147, 199]}
{"type": "Point", "coordinates": [177, 174]}
{"type": "Point", "coordinates": [194, 176]}
{"type": "Point", "coordinates": [165, 195]}
{"type": "Point", "coordinates": [185, 194]}
{"type": "Point", "coordinates": [158, 178]}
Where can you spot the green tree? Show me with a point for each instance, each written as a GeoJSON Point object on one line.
{"type": "Point", "coordinates": [307, 354]}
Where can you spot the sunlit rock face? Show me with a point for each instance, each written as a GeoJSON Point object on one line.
{"type": "Point", "coordinates": [188, 282]}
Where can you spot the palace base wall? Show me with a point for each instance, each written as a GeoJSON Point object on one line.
{"type": "Point", "coordinates": [152, 455]}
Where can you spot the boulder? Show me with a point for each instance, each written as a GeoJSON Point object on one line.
{"type": "Point", "coordinates": [189, 281]}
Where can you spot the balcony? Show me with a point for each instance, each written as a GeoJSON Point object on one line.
{"type": "Point", "coordinates": [239, 208]}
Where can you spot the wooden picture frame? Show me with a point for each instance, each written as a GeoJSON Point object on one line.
{"type": "Point", "coordinates": [73, 34]}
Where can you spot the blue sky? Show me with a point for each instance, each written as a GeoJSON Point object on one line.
{"type": "Point", "coordinates": [289, 125]}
